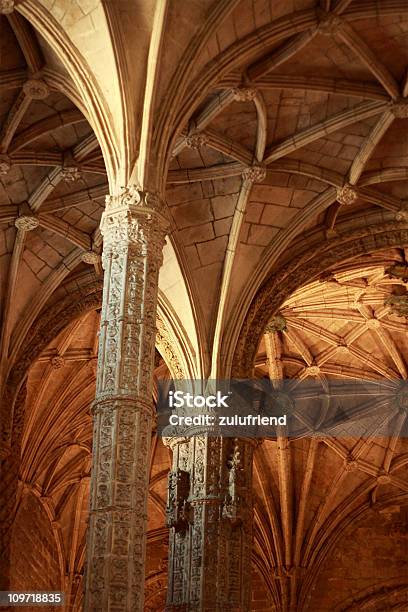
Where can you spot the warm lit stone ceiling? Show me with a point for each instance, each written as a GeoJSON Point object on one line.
{"type": "Point", "coordinates": [341, 325]}
{"type": "Point", "coordinates": [315, 93]}
{"type": "Point", "coordinates": [313, 496]}
{"type": "Point", "coordinates": [52, 184]}
{"type": "Point", "coordinates": [323, 502]}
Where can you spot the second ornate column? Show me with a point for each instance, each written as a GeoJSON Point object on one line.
{"type": "Point", "coordinates": [210, 518]}
{"type": "Point", "coordinates": [133, 228]}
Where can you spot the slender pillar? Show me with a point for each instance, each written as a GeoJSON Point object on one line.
{"type": "Point", "coordinates": [133, 228]}
{"type": "Point", "coordinates": [210, 517]}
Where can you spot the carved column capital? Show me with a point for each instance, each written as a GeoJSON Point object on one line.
{"type": "Point", "coordinates": [27, 223]}
{"type": "Point", "coordinates": [90, 257]}
{"type": "Point", "coordinates": [7, 7]}
{"type": "Point", "coordinates": [172, 442]}
{"type": "Point", "coordinates": [138, 202]}
{"type": "Point", "coordinates": [244, 94]}
{"type": "Point", "coordinates": [135, 220]}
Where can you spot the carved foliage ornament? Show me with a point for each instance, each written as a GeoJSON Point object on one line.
{"type": "Point", "coordinates": [27, 223]}
{"type": "Point", "coordinates": [57, 362]}
{"type": "Point", "coordinates": [350, 464]}
{"type": "Point", "coordinates": [178, 508]}
{"type": "Point", "coordinates": [134, 230]}
{"type": "Point", "coordinates": [135, 220]}
{"type": "Point", "coordinates": [208, 561]}
{"type": "Point", "coordinates": [166, 346]}
{"type": "Point", "coordinates": [134, 233]}
{"type": "Point", "coordinates": [90, 257]}
{"type": "Point", "coordinates": [196, 141]}
{"type": "Point", "coordinates": [70, 174]}
{"type": "Point", "coordinates": [346, 195]}
{"type": "Point", "coordinates": [328, 23]}
{"type": "Point", "coordinates": [255, 174]}
{"type": "Point", "coordinates": [135, 197]}
{"type": "Point", "coordinates": [118, 508]}
{"type": "Point", "coordinates": [398, 304]}
{"type": "Point", "coordinates": [6, 7]}
{"type": "Point", "coordinates": [401, 216]}
{"type": "Point", "coordinates": [244, 94]}
{"type": "Point", "coordinates": [398, 271]}
{"type": "Point", "coordinates": [36, 89]}
{"type": "Point", "coordinates": [277, 323]}
{"type": "Point", "coordinates": [400, 108]}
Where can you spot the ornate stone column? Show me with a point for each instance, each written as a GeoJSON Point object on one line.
{"type": "Point", "coordinates": [133, 228]}
{"type": "Point", "coordinates": [210, 517]}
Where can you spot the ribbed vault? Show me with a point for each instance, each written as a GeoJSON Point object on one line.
{"type": "Point", "coordinates": [313, 495]}
{"type": "Point", "coordinates": [297, 128]}
{"type": "Point", "coordinates": [318, 494]}
{"type": "Point", "coordinates": [274, 131]}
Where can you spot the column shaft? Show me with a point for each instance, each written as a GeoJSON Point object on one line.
{"type": "Point", "coordinates": [210, 518]}
{"type": "Point", "coordinates": [133, 229]}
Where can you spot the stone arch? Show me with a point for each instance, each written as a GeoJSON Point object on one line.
{"type": "Point", "coordinates": [63, 33]}
{"type": "Point", "coordinates": [50, 322]}
{"type": "Point", "coordinates": [388, 590]}
{"type": "Point", "coordinates": [54, 318]}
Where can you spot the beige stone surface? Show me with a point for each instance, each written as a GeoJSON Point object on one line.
{"type": "Point", "coordinates": [145, 93]}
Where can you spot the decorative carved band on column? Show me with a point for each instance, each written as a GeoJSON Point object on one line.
{"type": "Point", "coordinates": [133, 227]}
{"type": "Point", "coordinates": [210, 518]}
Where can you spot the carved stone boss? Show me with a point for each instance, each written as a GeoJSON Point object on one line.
{"type": "Point", "coordinates": [209, 513]}
{"type": "Point", "coordinates": [133, 227]}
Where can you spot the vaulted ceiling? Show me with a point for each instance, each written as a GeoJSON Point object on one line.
{"type": "Point", "coordinates": [52, 185]}
{"type": "Point", "coordinates": [288, 132]}
{"type": "Point", "coordinates": [273, 128]}
{"type": "Point", "coordinates": [313, 100]}
{"type": "Point", "coordinates": [313, 494]}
